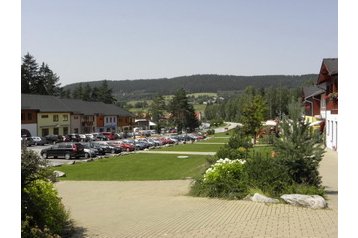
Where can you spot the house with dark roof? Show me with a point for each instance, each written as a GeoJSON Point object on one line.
{"type": "Point", "coordinates": [50, 115]}
{"type": "Point", "coordinates": [312, 101]}
{"type": "Point", "coordinates": [43, 115]}
{"type": "Point", "coordinates": [328, 81]}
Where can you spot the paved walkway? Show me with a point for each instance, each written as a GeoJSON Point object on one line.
{"type": "Point", "coordinates": [162, 209]}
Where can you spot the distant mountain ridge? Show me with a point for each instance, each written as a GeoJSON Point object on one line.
{"type": "Point", "coordinates": [199, 83]}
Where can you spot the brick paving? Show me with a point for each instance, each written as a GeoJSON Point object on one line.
{"type": "Point", "coordinates": [162, 209]}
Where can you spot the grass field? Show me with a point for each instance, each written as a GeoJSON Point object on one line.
{"type": "Point", "coordinates": [136, 167]}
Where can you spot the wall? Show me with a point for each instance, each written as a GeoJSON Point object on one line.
{"type": "Point", "coordinates": [32, 128]}
{"type": "Point", "coordinates": [110, 123]}
{"type": "Point", "coordinates": [332, 131]}
{"type": "Point", "coordinates": [75, 124]}
{"type": "Point", "coordinates": [51, 125]}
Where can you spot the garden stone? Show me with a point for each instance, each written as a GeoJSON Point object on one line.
{"type": "Point", "coordinates": [311, 201]}
{"type": "Point", "coordinates": [59, 173]}
{"type": "Point", "coordinates": [261, 198]}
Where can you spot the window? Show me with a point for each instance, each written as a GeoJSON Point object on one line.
{"type": "Point", "coordinates": [323, 102]}
{"type": "Point", "coordinates": [75, 117]}
{"type": "Point", "coordinates": [22, 116]}
{"type": "Point", "coordinates": [55, 117]}
{"type": "Point", "coordinates": [65, 131]}
{"type": "Point", "coordinates": [110, 119]}
{"type": "Point", "coordinates": [65, 117]}
{"type": "Point", "coordinates": [29, 116]}
{"type": "Point", "coordinates": [75, 130]}
{"type": "Point", "coordinates": [44, 116]}
{"type": "Point", "coordinates": [45, 132]}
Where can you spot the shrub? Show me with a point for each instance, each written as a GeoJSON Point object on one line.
{"type": "Point", "coordinates": [305, 189]}
{"type": "Point", "coordinates": [225, 179]}
{"type": "Point", "coordinates": [297, 148]}
{"type": "Point", "coordinates": [233, 154]}
{"type": "Point", "coordinates": [236, 148]}
{"type": "Point", "coordinates": [238, 139]}
{"type": "Point", "coordinates": [211, 132]}
{"type": "Point", "coordinates": [268, 175]}
{"type": "Point", "coordinates": [42, 213]}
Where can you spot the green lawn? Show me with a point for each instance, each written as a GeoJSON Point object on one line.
{"type": "Point", "coordinates": [199, 107]}
{"type": "Point", "coordinates": [196, 147]}
{"type": "Point", "coordinates": [223, 134]}
{"type": "Point", "coordinates": [136, 167]}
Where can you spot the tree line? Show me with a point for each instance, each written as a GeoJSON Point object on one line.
{"type": "Point", "coordinates": [274, 102]}
{"type": "Point", "coordinates": [42, 80]}
{"type": "Point", "coordinates": [147, 88]}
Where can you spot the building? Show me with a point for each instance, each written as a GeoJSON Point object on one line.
{"type": "Point", "coordinates": [43, 115]}
{"type": "Point", "coordinates": [328, 81]}
{"type": "Point", "coordinates": [50, 116]}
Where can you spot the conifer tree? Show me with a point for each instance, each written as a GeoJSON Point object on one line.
{"type": "Point", "coordinates": [29, 73]}
{"type": "Point", "coordinates": [298, 148]}
{"type": "Point", "coordinates": [183, 113]}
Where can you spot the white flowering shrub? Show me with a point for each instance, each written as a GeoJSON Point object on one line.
{"type": "Point", "coordinates": [226, 178]}
{"type": "Point", "coordinates": [223, 168]}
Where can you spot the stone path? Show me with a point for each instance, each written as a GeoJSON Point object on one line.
{"type": "Point", "coordinates": [162, 209]}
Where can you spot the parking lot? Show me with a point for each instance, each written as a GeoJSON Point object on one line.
{"type": "Point", "coordinates": [61, 161]}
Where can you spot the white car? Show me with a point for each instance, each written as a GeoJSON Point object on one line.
{"type": "Point", "coordinates": [38, 140]}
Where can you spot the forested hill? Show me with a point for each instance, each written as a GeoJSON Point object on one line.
{"type": "Point", "coordinates": [200, 83]}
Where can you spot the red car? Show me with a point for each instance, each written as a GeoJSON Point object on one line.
{"type": "Point", "coordinates": [124, 146]}
{"type": "Point", "coordinates": [109, 135]}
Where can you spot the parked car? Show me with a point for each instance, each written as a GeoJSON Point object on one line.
{"type": "Point", "coordinates": [99, 137]}
{"type": "Point", "coordinates": [39, 140]}
{"type": "Point", "coordinates": [27, 141]}
{"type": "Point", "coordinates": [89, 151]}
{"type": "Point", "coordinates": [52, 139]}
{"type": "Point", "coordinates": [67, 150]}
{"type": "Point", "coordinates": [73, 138]}
{"type": "Point", "coordinates": [97, 148]}
{"type": "Point", "coordinates": [108, 148]}
{"type": "Point", "coordinates": [110, 135]}
{"type": "Point", "coordinates": [124, 146]}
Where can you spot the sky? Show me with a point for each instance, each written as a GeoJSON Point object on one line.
{"type": "Point", "coordinates": [88, 40]}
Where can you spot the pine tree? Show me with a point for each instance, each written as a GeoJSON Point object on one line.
{"type": "Point", "coordinates": [35, 80]}
{"type": "Point", "coordinates": [182, 112]}
{"type": "Point", "coordinates": [78, 92]}
{"type": "Point", "coordinates": [29, 73]}
{"type": "Point", "coordinates": [298, 148]}
{"type": "Point", "coordinates": [47, 83]}
{"type": "Point", "coordinates": [95, 95]}
{"type": "Point", "coordinates": [87, 91]}
{"type": "Point", "coordinates": [105, 93]}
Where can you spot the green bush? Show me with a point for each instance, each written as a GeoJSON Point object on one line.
{"type": "Point", "coordinates": [43, 207]}
{"type": "Point", "coordinates": [268, 175]}
{"type": "Point", "coordinates": [224, 179]}
{"type": "Point", "coordinates": [305, 189]}
{"type": "Point", "coordinates": [42, 213]}
{"type": "Point", "coordinates": [211, 132]}
{"type": "Point", "coordinates": [231, 153]}
{"type": "Point", "coordinates": [298, 150]}
{"type": "Point", "coordinates": [236, 148]}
